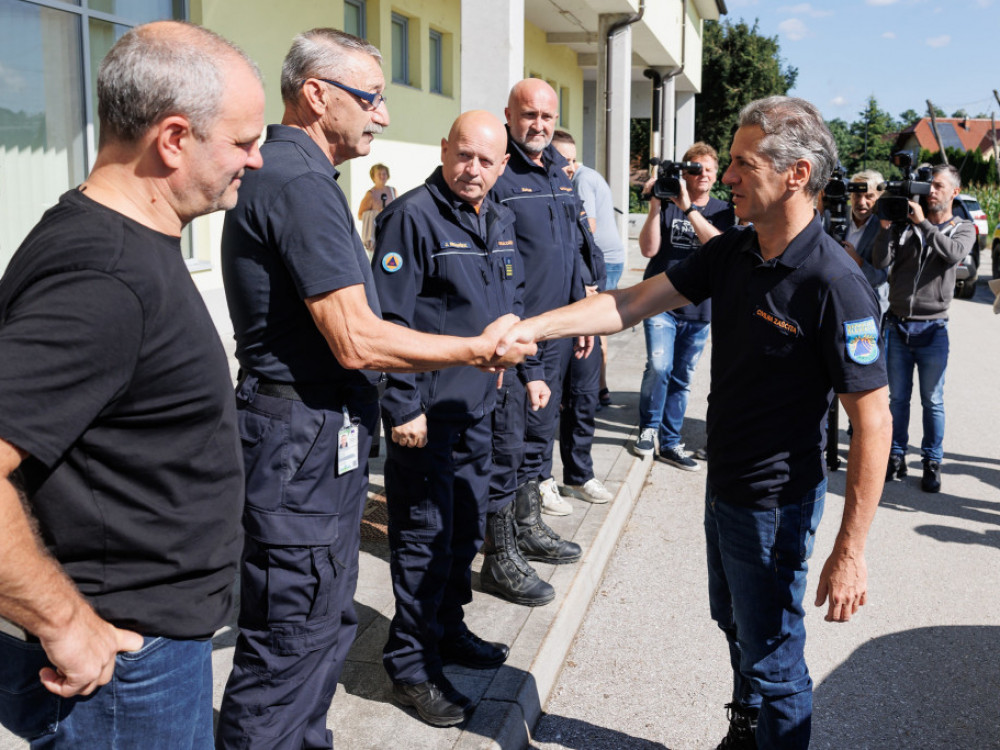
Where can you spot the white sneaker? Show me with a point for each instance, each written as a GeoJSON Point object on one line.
{"type": "Point", "coordinates": [552, 504]}
{"type": "Point", "coordinates": [592, 491]}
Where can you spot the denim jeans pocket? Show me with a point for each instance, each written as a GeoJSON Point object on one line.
{"type": "Point", "coordinates": [26, 708]}
{"type": "Point", "coordinates": [149, 647]}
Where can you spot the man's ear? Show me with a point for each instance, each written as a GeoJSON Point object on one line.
{"type": "Point", "coordinates": [314, 94]}
{"type": "Point", "coordinates": [799, 174]}
{"type": "Point", "coordinates": [173, 135]}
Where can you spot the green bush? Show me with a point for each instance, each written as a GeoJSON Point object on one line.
{"type": "Point", "coordinates": [989, 198]}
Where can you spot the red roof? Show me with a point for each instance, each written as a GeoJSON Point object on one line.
{"type": "Point", "coordinates": [965, 133]}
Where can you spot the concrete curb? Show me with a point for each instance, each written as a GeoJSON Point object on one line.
{"type": "Point", "coordinates": [512, 720]}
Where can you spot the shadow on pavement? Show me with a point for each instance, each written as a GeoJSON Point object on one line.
{"type": "Point", "coordinates": [574, 734]}
{"type": "Point", "coordinates": [927, 688]}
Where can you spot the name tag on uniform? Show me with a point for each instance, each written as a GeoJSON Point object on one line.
{"type": "Point", "coordinates": [347, 445]}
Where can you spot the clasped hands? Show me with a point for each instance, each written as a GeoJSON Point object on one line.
{"type": "Point", "coordinates": [510, 340]}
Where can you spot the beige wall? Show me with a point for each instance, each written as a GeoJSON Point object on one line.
{"type": "Point", "coordinates": [556, 64]}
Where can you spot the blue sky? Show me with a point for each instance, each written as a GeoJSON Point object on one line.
{"type": "Point", "coordinates": [901, 51]}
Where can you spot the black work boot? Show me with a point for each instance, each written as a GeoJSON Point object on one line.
{"type": "Point", "coordinates": [931, 480]}
{"type": "Point", "coordinates": [534, 538]}
{"type": "Point", "coordinates": [505, 572]}
{"type": "Point", "coordinates": [742, 729]}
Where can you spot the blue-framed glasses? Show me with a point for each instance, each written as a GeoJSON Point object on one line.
{"type": "Point", "coordinates": [375, 100]}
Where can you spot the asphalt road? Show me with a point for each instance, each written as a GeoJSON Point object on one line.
{"type": "Point", "coordinates": [918, 667]}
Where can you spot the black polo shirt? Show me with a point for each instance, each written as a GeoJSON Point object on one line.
{"type": "Point", "coordinates": [786, 333]}
{"type": "Point", "coordinates": [290, 236]}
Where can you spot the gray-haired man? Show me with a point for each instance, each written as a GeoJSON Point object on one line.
{"type": "Point", "coordinates": [311, 345]}
{"type": "Point", "coordinates": [117, 409]}
{"type": "Point", "coordinates": [793, 320]}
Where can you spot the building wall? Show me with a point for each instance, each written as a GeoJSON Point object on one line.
{"type": "Point", "coordinates": [557, 64]}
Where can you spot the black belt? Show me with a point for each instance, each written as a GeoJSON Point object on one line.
{"type": "Point", "coordinates": [315, 392]}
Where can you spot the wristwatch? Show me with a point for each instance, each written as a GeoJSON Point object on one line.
{"type": "Point", "coordinates": [687, 211]}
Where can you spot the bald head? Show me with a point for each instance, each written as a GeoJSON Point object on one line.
{"type": "Point", "coordinates": [161, 69]}
{"type": "Point", "coordinates": [474, 155]}
{"type": "Point", "coordinates": [532, 112]}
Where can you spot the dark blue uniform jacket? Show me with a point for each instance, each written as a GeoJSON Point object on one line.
{"type": "Point", "coordinates": [553, 237]}
{"type": "Point", "coordinates": [442, 268]}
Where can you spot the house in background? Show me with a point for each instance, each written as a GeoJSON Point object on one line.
{"type": "Point", "coordinates": [963, 133]}
{"type": "Point", "coordinates": [440, 57]}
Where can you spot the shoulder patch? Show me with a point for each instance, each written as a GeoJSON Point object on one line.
{"type": "Point", "coordinates": [392, 262]}
{"type": "Point", "coordinates": [862, 340]}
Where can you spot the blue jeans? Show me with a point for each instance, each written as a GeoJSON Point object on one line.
{"type": "Point", "coordinates": [931, 361]}
{"type": "Point", "coordinates": [159, 696]}
{"type": "Point", "coordinates": [614, 274]}
{"type": "Point", "coordinates": [757, 563]}
{"type": "Point", "coordinates": [673, 348]}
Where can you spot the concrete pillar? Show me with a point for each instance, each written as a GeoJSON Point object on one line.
{"type": "Point", "coordinates": [685, 122]}
{"type": "Point", "coordinates": [493, 62]}
{"type": "Point", "coordinates": [613, 119]}
{"type": "Point", "coordinates": [668, 131]}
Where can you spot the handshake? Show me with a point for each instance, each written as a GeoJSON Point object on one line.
{"type": "Point", "coordinates": [508, 340]}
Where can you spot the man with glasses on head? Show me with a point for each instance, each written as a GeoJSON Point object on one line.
{"type": "Point", "coordinates": [311, 343]}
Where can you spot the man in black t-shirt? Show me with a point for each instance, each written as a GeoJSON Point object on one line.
{"type": "Point", "coordinates": [674, 229]}
{"type": "Point", "coordinates": [793, 320]}
{"type": "Point", "coordinates": [116, 413]}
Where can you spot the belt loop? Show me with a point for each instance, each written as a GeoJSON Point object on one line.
{"type": "Point", "coordinates": [246, 387]}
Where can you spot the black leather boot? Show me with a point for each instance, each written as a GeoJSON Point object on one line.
{"type": "Point", "coordinates": [505, 572]}
{"type": "Point", "coordinates": [534, 538]}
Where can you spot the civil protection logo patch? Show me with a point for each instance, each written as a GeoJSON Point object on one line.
{"type": "Point", "coordinates": [392, 262]}
{"type": "Point", "coordinates": [862, 340]}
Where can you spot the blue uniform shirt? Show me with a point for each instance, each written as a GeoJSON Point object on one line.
{"type": "Point", "coordinates": [442, 268]}
{"type": "Point", "coordinates": [785, 333]}
{"type": "Point", "coordinates": [291, 236]}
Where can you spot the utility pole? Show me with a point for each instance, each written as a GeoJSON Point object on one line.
{"type": "Point", "coordinates": [937, 136]}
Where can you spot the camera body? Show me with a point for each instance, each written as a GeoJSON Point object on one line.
{"type": "Point", "coordinates": [668, 177]}
{"type": "Point", "coordinates": [894, 205]}
{"type": "Point", "coordinates": [835, 210]}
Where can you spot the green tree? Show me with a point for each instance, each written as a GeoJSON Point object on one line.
{"type": "Point", "coordinates": [873, 136]}
{"type": "Point", "coordinates": [845, 140]}
{"type": "Point", "coordinates": [738, 66]}
{"type": "Point", "coordinates": [960, 113]}
{"type": "Point", "coordinates": [908, 117]}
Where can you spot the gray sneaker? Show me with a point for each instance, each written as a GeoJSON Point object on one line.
{"type": "Point", "coordinates": [680, 458]}
{"type": "Point", "coordinates": [646, 443]}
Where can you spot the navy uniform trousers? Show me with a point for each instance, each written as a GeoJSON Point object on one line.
{"type": "Point", "coordinates": [508, 441]}
{"type": "Point", "coordinates": [437, 498]}
{"type": "Point", "coordinates": [574, 384]}
{"type": "Point", "coordinates": [299, 567]}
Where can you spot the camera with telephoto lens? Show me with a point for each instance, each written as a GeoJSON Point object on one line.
{"type": "Point", "coordinates": [894, 205]}
{"type": "Point", "coordinates": [668, 177]}
{"type": "Point", "coordinates": [835, 211]}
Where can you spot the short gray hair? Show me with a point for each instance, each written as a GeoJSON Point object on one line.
{"type": "Point", "coordinates": [162, 69]}
{"type": "Point", "coordinates": [951, 171]}
{"type": "Point", "coordinates": [793, 129]}
{"type": "Point", "coordinates": [871, 177]}
{"type": "Point", "coordinates": [320, 53]}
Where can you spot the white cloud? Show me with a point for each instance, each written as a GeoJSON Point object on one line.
{"type": "Point", "coordinates": [805, 9]}
{"type": "Point", "coordinates": [839, 101]}
{"type": "Point", "coordinates": [881, 2]}
{"type": "Point", "coordinates": [794, 29]}
{"type": "Point", "coordinates": [984, 3]}
{"type": "Point", "coordinates": [939, 41]}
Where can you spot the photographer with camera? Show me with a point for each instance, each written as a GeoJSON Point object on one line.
{"type": "Point", "coordinates": [682, 216]}
{"type": "Point", "coordinates": [920, 248]}
{"type": "Point", "coordinates": [862, 229]}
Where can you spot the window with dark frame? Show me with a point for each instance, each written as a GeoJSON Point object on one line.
{"type": "Point", "coordinates": [400, 49]}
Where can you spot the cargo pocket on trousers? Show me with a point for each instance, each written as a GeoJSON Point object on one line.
{"type": "Point", "coordinates": [301, 596]}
